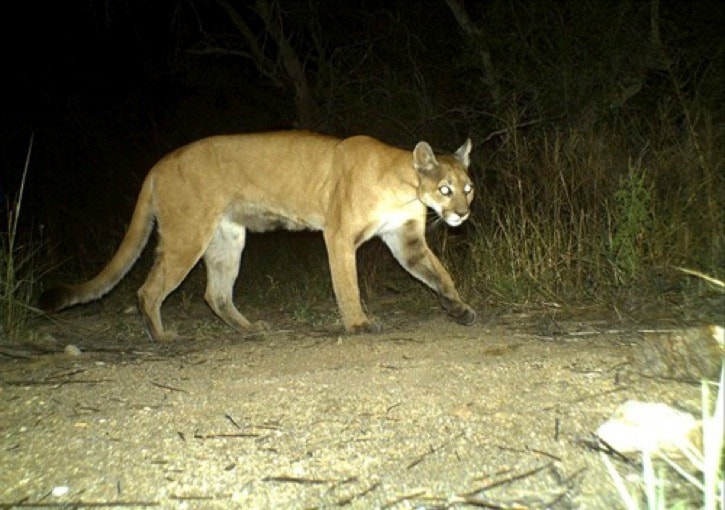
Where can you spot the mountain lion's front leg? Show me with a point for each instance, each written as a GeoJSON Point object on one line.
{"type": "Point", "coordinates": [410, 249]}
{"type": "Point", "coordinates": [343, 268]}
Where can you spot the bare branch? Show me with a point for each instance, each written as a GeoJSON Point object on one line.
{"type": "Point", "coordinates": [293, 71]}
{"type": "Point", "coordinates": [306, 105]}
{"type": "Point", "coordinates": [475, 37]}
{"type": "Point", "coordinates": [264, 64]}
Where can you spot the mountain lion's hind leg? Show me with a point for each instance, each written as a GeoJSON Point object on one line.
{"type": "Point", "coordinates": [222, 258]}
{"type": "Point", "coordinates": [173, 262]}
{"type": "Point", "coordinates": [410, 249]}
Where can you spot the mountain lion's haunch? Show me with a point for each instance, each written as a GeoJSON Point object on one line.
{"type": "Point", "coordinates": [206, 195]}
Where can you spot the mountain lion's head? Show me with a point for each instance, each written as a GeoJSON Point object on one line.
{"type": "Point", "coordinates": [444, 183]}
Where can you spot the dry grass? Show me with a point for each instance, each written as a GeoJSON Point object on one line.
{"type": "Point", "coordinates": [585, 214]}
{"type": "Point", "coordinates": [19, 269]}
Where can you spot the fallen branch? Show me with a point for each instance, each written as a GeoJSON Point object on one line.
{"type": "Point", "coordinates": [350, 499]}
{"type": "Point", "coordinates": [506, 480]}
{"type": "Point", "coordinates": [405, 497]}
{"type": "Point", "coordinates": [545, 454]}
{"type": "Point", "coordinates": [166, 387]}
{"type": "Point", "coordinates": [176, 497]}
{"type": "Point", "coordinates": [16, 354]}
{"type": "Point", "coordinates": [432, 450]}
{"type": "Point", "coordinates": [483, 502]}
{"type": "Point", "coordinates": [597, 444]}
{"type": "Point", "coordinates": [584, 398]}
{"type": "Point", "coordinates": [55, 383]}
{"type": "Point", "coordinates": [82, 504]}
{"type": "Point", "coordinates": [296, 479]}
{"type": "Point", "coordinates": [67, 373]}
{"type": "Point", "coordinates": [224, 436]}
{"type": "Point", "coordinates": [232, 420]}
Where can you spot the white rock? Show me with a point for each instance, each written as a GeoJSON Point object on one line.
{"type": "Point", "coordinates": [60, 490]}
{"type": "Point", "coordinates": [642, 426]}
{"type": "Point", "coordinates": [72, 351]}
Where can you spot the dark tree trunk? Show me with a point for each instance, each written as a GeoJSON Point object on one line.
{"type": "Point", "coordinates": [476, 39]}
{"type": "Point", "coordinates": [292, 73]}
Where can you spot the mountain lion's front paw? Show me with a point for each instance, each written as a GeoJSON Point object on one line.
{"type": "Point", "coordinates": [259, 327]}
{"type": "Point", "coordinates": [463, 314]}
{"type": "Point", "coordinates": [369, 326]}
{"type": "Point", "coordinates": [167, 336]}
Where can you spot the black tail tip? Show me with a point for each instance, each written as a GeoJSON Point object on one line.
{"type": "Point", "coordinates": [54, 299]}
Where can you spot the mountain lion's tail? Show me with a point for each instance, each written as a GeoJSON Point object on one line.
{"type": "Point", "coordinates": [63, 296]}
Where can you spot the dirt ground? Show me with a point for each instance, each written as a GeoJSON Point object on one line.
{"type": "Point", "coordinates": [428, 414]}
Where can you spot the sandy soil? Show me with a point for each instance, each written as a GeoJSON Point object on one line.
{"type": "Point", "coordinates": [427, 415]}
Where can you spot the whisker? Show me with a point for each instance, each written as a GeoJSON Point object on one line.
{"type": "Point", "coordinates": [433, 221]}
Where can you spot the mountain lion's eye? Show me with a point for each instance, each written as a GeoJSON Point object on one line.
{"type": "Point", "coordinates": [467, 189]}
{"type": "Point", "coordinates": [444, 190]}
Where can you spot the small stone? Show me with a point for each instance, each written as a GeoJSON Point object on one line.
{"type": "Point", "coordinates": [72, 351]}
{"type": "Point", "coordinates": [60, 490]}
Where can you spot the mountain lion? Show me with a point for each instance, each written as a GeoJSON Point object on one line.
{"type": "Point", "coordinates": [206, 195]}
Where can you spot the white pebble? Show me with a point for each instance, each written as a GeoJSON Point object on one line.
{"type": "Point", "coordinates": [60, 490]}
{"type": "Point", "coordinates": [72, 350]}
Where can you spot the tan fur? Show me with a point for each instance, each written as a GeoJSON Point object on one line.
{"type": "Point", "coordinates": [206, 195]}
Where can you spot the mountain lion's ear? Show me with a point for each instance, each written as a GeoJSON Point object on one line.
{"type": "Point", "coordinates": [463, 152]}
{"type": "Point", "coordinates": [423, 158]}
